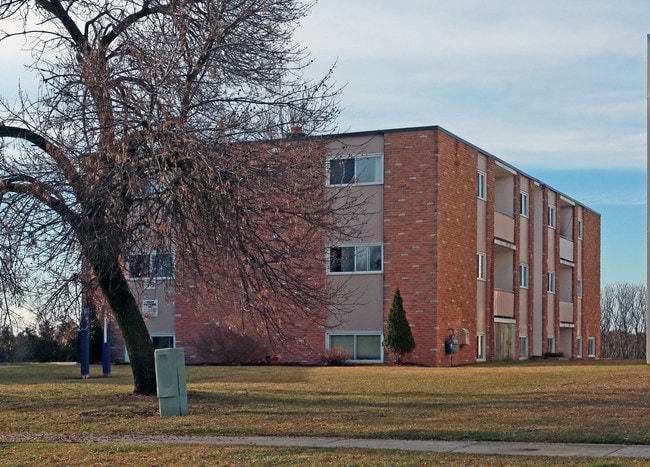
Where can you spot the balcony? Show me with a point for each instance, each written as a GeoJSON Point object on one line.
{"type": "Point", "coordinates": [504, 227]}
{"type": "Point", "coordinates": [566, 311]}
{"type": "Point", "coordinates": [504, 303]}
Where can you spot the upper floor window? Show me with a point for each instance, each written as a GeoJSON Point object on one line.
{"type": "Point", "coordinates": [151, 265]}
{"type": "Point", "coordinates": [357, 258]}
{"type": "Point", "coordinates": [580, 229]}
{"type": "Point", "coordinates": [481, 266]}
{"type": "Point", "coordinates": [356, 170]}
{"type": "Point", "coordinates": [551, 282]}
{"type": "Point", "coordinates": [579, 287]}
{"type": "Point", "coordinates": [551, 216]}
{"type": "Point", "coordinates": [523, 276]}
{"type": "Point", "coordinates": [523, 204]}
{"type": "Point", "coordinates": [481, 190]}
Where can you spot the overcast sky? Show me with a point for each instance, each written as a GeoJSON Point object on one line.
{"type": "Point", "coordinates": [556, 87]}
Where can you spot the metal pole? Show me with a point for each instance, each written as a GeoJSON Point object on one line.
{"type": "Point", "coordinates": [106, 348]}
{"type": "Point", "coordinates": [84, 343]}
{"type": "Point", "coordinates": [647, 334]}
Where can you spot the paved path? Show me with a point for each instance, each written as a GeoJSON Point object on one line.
{"type": "Point", "coordinates": [462, 447]}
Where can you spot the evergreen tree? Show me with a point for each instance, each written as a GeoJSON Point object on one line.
{"type": "Point", "coordinates": [399, 338]}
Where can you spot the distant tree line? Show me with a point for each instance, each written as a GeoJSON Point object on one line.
{"type": "Point", "coordinates": [48, 342]}
{"type": "Point", "coordinates": [623, 321]}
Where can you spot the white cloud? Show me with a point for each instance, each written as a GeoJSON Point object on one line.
{"type": "Point", "coordinates": [551, 83]}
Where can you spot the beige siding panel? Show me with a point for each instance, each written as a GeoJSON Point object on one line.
{"type": "Point", "coordinates": [365, 300]}
{"type": "Point", "coordinates": [523, 312]}
{"type": "Point", "coordinates": [481, 299]}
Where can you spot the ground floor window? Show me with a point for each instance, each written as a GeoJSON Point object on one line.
{"type": "Point", "coordinates": [360, 346]}
{"type": "Point", "coordinates": [480, 347]}
{"type": "Point", "coordinates": [160, 341]}
{"type": "Point", "coordinates": [591, 343]}
{"type": "Point", "coordinates": [550, 344]}
{"type": "Point", "coordinates": [523, 347]}
{"type": "Point", "coordinates": [579, 347]}
{"type": "Point", "coordinates": [163, 342]}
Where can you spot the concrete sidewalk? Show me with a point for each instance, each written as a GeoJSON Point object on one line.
{"type": "Point", "coordinates": [460, 447]}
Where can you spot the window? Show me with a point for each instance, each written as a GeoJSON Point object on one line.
{"type": "Point", "coordinates": [551, 282]}
{"type": "Point", "coordinates": [523, 347]}
{"type": "Point", "coordinates": [551, 216]}
{"type": "Point", "coordinates": [361, 347]}
{"type": "Point", "coordinates": [550, 344]}
{"type": "Point", "coordinates": [153, 265]}
{"type": "Point", "coordinates": [591, 344]}
{"type": "Point", "coordinates": [356, 170]}
{"type": "Point", "coordinates": [361, 258]}
{"type": "Point", "coordinates": [580, 229]}
{"type": "Point", "coordinates": [523, 204]}
{"type": "Point", "coordinates": [481, 266]}
{"type": "Point", "coordinates": [161, 341]}
{"type": "Point", "coordinates": [579, 354]}
{"type": "Point", "coordinates": [480, 347]}
{"type": "Point", "coordinates": [579, 288]}
{"type": "Point", "coordinates": [523, 276]}
{"type": "Point", "coordinates": [481, 188]}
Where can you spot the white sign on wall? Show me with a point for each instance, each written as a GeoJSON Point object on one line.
{"type": "Point", "coordinates": [150, 308]}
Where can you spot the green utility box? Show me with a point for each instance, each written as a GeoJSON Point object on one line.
{"type": "Point", "coordinates": [170, 380]}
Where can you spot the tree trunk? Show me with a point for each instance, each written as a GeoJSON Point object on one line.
{"type": "Point", "coordinates": [134, 330]}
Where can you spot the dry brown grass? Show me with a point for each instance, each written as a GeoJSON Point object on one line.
{"type": "Point", "coordinates": [601, 402]}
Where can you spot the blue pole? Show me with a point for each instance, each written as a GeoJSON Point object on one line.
{"type": "Point", "coordinates": [106, 349]}
{"type": "Point", "coordinates": [84, 343]}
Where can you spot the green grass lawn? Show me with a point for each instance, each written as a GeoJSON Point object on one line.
{"type": "Point", "coordinates": [540, 401]}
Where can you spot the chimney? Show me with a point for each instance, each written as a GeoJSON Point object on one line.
{"type": "Point", "coordinates": [295, 132]}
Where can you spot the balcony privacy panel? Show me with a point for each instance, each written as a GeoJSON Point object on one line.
{"type": "Point", "coordinates": [504, 303]}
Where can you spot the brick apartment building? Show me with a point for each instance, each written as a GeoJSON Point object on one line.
{"type": "Point", "coordinates": [480, 250]}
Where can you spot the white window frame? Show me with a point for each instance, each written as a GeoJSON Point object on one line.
{"type": "Point", "coordinates": [580, 229]}
{"type": "Point", "coordinates": [591, 347]}
{"type": "Point", "coordinates": [524, 204]}
{"type": "Point", "coordinates": [523, 275]}
{"type": "Point", "coordinates": [149, 274]}
{"type": "Point", "coordinates": [523, 347]}
{"type": "Point", "coordinates": [355, 178]}
{"type": "Point", "coordinates": [356, 247]}
{"type": "Point", "coordinates": [355, 335]}
{"type": "Point", "coordinates": [481, 348]}
{"type": "Point", "coordinates": [481, 266]}
{"type": "Point", "coordinates": [151, 338]}
{"type": "Point", "coordinates": [550, 344]}
{"type": "Point", "coordinates": [481, 188]}
{"type": "Point", "coordinates": [550, 213]}
{"type": "Point", "coordinates": [550, 286]}
{"type": "Point", "coordinates": [579, 343]}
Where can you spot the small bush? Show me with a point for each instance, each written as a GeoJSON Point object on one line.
{"type": "Point", "coordinates": [336, 356]}
{"type": "Point", "coordinates": [553, 355]}
{"type": "Point", "coordinates": [224, 345]}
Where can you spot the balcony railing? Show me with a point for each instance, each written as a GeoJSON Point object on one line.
{"type": "Point", "coordinates": [504, 227]}
{"type": "Point", "coordinates": [566, 311]}
{"type": "Point", "coordinates": [566, 249]}
{"type": "Point", "coordinates": [504, 303]}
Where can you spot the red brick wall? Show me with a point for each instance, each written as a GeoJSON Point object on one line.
{"type": "Point", "coordinates": [457, 229]}
{"type": "Point", "coordinates": [301, 340]}
{"type": "Point", "coordinates": [430, 238]}
{"type": "Point", "coordinates": [591, 280]}
{"type": "Point", "coordinates": [410, 237]}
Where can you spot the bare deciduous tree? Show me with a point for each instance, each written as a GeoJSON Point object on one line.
{"type": "Point", "coordinates": [160, 126]}
{"type": "Point", "coordinates": [623, 320]}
